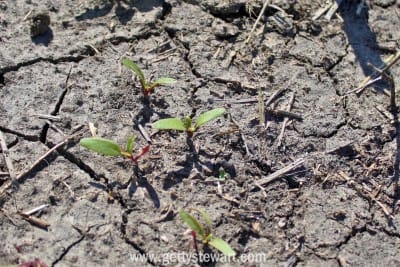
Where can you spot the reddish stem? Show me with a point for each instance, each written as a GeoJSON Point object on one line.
{"type": "Point", "coordinates": [195, 242]}
{"type": "Point", "coordinates": [149, 90]}
{"type": "Point", "coordinates": [144, 151]}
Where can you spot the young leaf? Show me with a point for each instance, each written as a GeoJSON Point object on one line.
{"type": "Point", "coordinates": [187, 122]}
{"type": "Point", "coordinates": [164, 81]}
{"type": "Point", "coordinates": [170, 124]}
{"type": "Point", "coordinates": [102, 146]}
{"type": "Point", "coordinates": [135, 68]}
{"type": "Point", "coordinates": [208, 116]}
{"type": "Point", "coordinates": [222, 246]}
{"type": "Point", "coordinates": [205, 217]}
{"type": "Point", "coordinates": [222, 174]}
{"type": "Point", "coordinates": [130, 143]}
{"type": "Point", "coordinates": [192, 222]}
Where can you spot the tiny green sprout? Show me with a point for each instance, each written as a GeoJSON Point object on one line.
{"type": "Point", "coordinates": [108, 147]}
{"type": "Point", "coordinates": [222, 174]}
{"type": "Point", "coordinates": [205, 232]}
{"type": "Point", "coordinates": [186, 124]}
{"type": "Point", "coordinates": [147, 86]}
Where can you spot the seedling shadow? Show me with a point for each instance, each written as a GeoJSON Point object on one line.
{"type": "Point", "coordinates": [364, 43]}
{"type": "Point", "coordinates": [140, 180]}
{"type": "Point", "coordinates": [396, 175]}
{"type": "Point", "coordinates": [147, 111]}
{"type": "Point", "coordinates": [192, 162]}
{"type": "Point", "coordinates": [44, 39]}
{"type": "Point", "coordinates": [362, 39]}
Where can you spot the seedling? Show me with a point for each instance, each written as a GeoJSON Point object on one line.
{"type": "Point", "coordinates": [186, 124]}
{"type": "Point", "coordinates": [222, 174]}
{"type": "Point", "coordinates": [204, 231]}
{"type": "Point", "coordinates": [108, 147]}
{"type": "Point", "coordinates": [147, 86]}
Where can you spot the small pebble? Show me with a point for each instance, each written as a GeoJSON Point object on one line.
{"type": "Point", "coordinates": [282, 222]}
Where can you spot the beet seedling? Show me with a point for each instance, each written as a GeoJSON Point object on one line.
{"type": "Point", "coordinates": [108, 147]}
{"type": "Point", "coordinates": [204, 231]}
{"type": "Point", "coordinates": [147, 86]}
{"type": "Point", "coordinates": [186, 124]}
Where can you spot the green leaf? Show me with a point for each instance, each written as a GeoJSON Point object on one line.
{"type": "Point", "coordinates": [102, 146]}
{"type": "Point", "coordinates": [130, 143]}
{"type": "Point", "coordinates": [205, 216]}
{"type": "Point", "coordinates": [192, 222]}
{"type": "Point", "coordinates": [208, 116]}
{"type": "Point", "coordinates": [187, 122]}
{"type": "Point", "coordinates": [222, 246]}
{"type": "Point", "coordinates": [135, 68]}
{"type": "Point", "coordinates": [222, 174]}
{"type": "Point", "coordinates": [164, 81]}
{"type": "Point", "coordinates": [170, 124]}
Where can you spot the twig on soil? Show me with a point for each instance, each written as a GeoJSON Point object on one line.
{"type": "Point", "coordinates": [272, 177]}
{"type": "Point", "coordinates": [266, 3]}
{"type": "Point", "coordinates": [5, 187]}
{"type": "Point", "coordinates": [274, 96]}
{"type": "Point", "coordinates": [284, 113]}
{"type": "Point", "coordinates": [96, 51]}
{"type": "Point", "coordinates": [378, 74]}
{"type": "Point", "coordinates": [34, 210]}
{"type": "Point", "coordinates": [35, 220]}
{"type": "Point", "coordinates": [28, 170]}
{"type": "Point", "coordinates": [164, 55]}
{"type": "Point", "coordinates": [385, 113]}
{"type": "Point", "coordinates": [239, 101]}
{"type": "Point", "coordinates": [168, 212]}
{"type": "Point", "coordinates": [333, 9]}
{"type": "Point", "coordinates": [342, 261]}
{"type": "Point", "coordinates": [27, 15]}
{"type": "Point", "coordinates": [363, 190]}
{"type": "Point", "coordinates": [253, 100]}
{"type": "Point", "coordinates": [261, 109]}
{"type": "Point", "coordinates": [7, 158]}
{"type": "Point", "coordinates": [321, 11]}
{"type": "Point", "coordinates": [92, 129]}
{"type": "Point", "coordinates": [55, 128]}
{"type": "Point", "coordinates": [329, 9]}
{"type": "Point", "coordinates": [229, 198]}
{"type": "Point", "coordinates": [286, 120]}
{"type": "Point", "coordinates": [49, 117]}
{"type": "Point", "coordinates": [261, 188]}
{"type": "Point", "coordinates": [69, 189]}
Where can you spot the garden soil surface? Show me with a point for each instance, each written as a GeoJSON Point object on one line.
{"type": "Point", "coordinates": [300, 171]}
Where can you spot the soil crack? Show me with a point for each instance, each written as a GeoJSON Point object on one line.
{"type": "Point", "coordinates": [83, 234]}
{"type": "Point", "coordinates": [124, 222]}
{"type": "Point", "coordinates": [55, 61]}
{"type": "Point", "coordinates": [32, 138]}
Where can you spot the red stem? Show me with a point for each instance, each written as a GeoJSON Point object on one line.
{"type": "Point", "coordinates": [144, 151]}
{"type": "Point", "coordinates": [195, 242]}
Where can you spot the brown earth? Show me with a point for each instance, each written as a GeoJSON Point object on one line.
{"type": "Point", "coordinates": [338, 208]}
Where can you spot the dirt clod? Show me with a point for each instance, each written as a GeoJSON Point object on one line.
{"type": "Point", "coordinates": [39, 24]}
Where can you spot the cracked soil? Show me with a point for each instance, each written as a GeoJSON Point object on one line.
{"type": "Point", "coordinates": [339, 208]}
